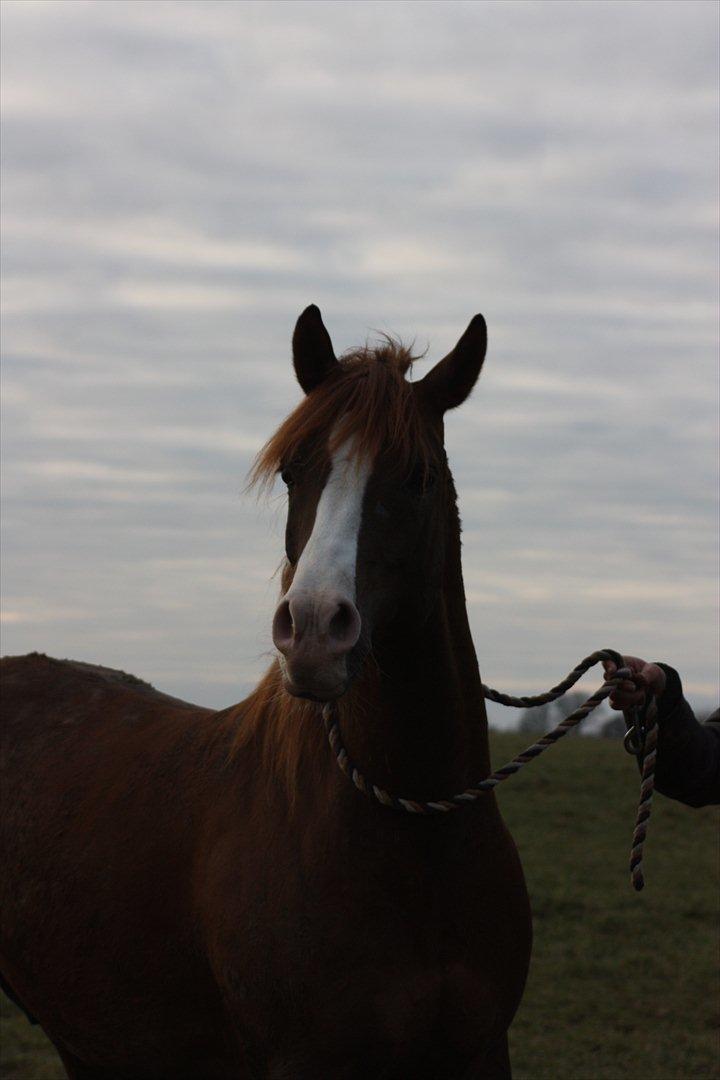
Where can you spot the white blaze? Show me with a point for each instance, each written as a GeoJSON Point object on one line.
{"type": "Point", "coordinates": [327, 564]}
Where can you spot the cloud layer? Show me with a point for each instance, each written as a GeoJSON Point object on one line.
{"type": "Point", "coordinates": [181, 179]}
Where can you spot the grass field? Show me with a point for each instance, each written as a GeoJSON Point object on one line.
{"type": "Point", "coordinates": [622, 985]}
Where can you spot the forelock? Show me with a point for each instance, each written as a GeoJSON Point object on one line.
{"type": "Point", "coordinates": [368, 401]}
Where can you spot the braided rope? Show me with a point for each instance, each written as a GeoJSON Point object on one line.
{"type": "Point", "coordinates": [472, 794]}
{"type": "Point", "coordinates": [647, 787]}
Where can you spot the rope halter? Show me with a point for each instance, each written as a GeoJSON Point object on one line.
{"type": "Point", "coordinates": [641, 740]}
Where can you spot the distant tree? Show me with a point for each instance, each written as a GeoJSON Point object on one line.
{"type": "Point", "coordinates": [613, 728]}
{"type": "Point", "coordinates": [544, 718]}
{"type": "Point", "coordinates": [537, 720]}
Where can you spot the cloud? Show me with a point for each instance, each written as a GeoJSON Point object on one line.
{"type": "Point", "coordinates": [181, 179]}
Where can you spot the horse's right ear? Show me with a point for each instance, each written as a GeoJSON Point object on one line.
{"type": "Point", "coordinates": [313, 355]}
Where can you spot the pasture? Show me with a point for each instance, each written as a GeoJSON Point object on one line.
{"type": "Point", "coordinates": [621, 984]}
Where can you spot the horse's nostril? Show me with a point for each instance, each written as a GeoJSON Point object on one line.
{"type": "Point", "coordinates": [344, 627]}
{"type": "Point", "coordinates": [282, 628]}
{"type": "Point", "coordinates": [305, 626]}
{"type": "Point", "coordinates": [339, 622]}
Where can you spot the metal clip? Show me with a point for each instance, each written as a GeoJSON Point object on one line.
{"type": "Point", "coordinates": [634, 740]}
{"type": "Point", "coordinates": [631, 741]}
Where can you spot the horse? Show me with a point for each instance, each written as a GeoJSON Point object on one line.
{"type": "Point", "coordinates": [203, 895]}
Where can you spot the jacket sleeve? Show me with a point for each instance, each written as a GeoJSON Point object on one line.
{"type": "Point", "coordinates": [688, 753]}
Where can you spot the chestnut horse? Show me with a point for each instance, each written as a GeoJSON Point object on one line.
{"type": "Point", "coordinates": [199, 895]}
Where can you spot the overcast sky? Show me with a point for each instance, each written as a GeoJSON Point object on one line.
{"type": "Point", "coordinates": [182, 179]}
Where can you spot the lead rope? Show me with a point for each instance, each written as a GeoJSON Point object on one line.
{"type": "Point", "coordinates": [641, 740]}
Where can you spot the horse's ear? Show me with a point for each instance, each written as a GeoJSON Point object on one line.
{"type": "Point", "coordinates": [451, 380]}
{"type": "Point", "coordinates": [313, 356]}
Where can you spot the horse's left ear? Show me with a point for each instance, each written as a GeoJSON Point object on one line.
{"type": "Point", "coordinates": [313, 355]}
{"type": "Point", "coordinates": [448, 384]}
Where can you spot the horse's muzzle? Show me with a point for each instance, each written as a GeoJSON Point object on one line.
{"type": "Point", "coordinates": [315, 634]}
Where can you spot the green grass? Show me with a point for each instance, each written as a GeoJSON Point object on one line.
{"type": "Point", "coordinates": [622, 985]}
{"type": "Point", "coordinates": [25, 1053]}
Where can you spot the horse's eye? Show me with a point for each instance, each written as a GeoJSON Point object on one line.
{"type": "Point", "coordinates": [287, 477]}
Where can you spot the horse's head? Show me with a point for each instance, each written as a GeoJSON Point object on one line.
{"type": "Point", "coordinates": [371, 502]}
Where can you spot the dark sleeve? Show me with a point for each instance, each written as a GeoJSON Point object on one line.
{"type": "Point", "coordinates": [688, 753]}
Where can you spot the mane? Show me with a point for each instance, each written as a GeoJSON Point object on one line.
{"type": "Point", "coordinates": [367, 398]}
{"type": "Point", "coordinates": [287, 733]}
{"type": "Point", "coordinates": [277, 726]}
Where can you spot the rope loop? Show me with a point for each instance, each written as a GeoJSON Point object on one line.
{"type": "Point", "coordinates": [647, 753]}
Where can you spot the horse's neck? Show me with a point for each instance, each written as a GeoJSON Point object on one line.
{"type": "Point", "coordinates": [415, 723]}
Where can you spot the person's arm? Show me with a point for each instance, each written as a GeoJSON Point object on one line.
{"type": "Point", "coordinates": [688, 753]}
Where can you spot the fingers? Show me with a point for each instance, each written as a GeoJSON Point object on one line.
{"type": "Point", "coordinates": [630, 693]}
{"type": "Point", "coordinates": [626, 699]}
{"type": "Point", "coordinates": [634, 663]}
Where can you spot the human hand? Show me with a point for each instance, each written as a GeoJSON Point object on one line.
{"type": "Point", "coordinates": [645, 679]}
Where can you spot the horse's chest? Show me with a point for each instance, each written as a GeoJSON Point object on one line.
{"type": "Point", "coordinates": [370, 960]}
{"type": "Point", "coordinates": [355, 977]}
{"type": "Point", "coordinates": [425, 1023]}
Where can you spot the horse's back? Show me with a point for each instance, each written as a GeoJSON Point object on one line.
{"type": "Point", "coordinates": [77, 739]}
{"type": "Point", "coordinates": [87, 748]}
{"type": "Point", "coordinates": [100, 792]}
{"type": "Point", "coordinates": [59, 716]}
{"type": "Point", "coordinates": [38, 690]}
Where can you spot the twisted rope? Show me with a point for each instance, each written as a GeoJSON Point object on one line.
{"type": "Point", "coordinates": [647, 787]}
{"type": "Point", "coordinates": [646, 735]}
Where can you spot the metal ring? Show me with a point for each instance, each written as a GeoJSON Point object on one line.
{"type": "Point", "coordinates": [631, 742]}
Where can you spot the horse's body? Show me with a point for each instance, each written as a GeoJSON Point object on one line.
{"type": "Point", "coordinates": [200, 894]}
